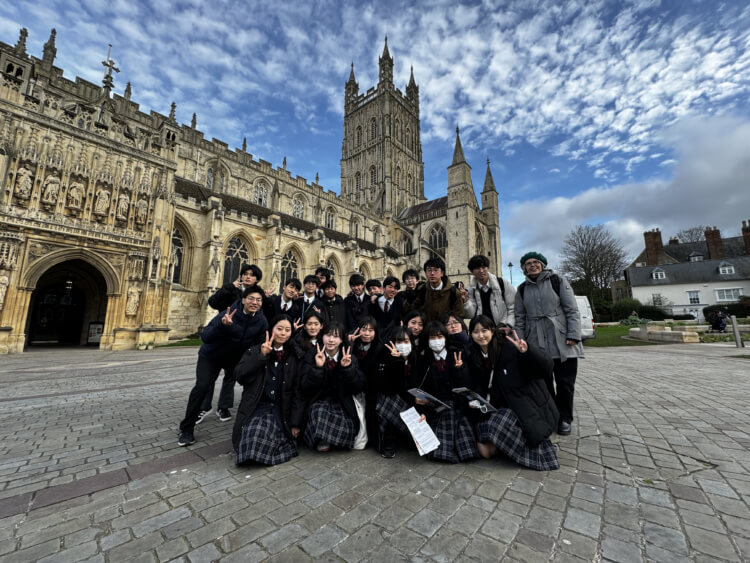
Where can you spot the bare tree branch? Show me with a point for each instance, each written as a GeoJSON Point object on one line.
{"type": "Point", "coordinates": [692, 234]}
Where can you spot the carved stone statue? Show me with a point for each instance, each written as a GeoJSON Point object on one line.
{"type": "Point", "coordinates": [75, 195]}
{"type": "Point", "coordinates": [141, 211]}
{"type": "Point", "coordinates": [4, 283]}
{"type": "Point", "coordinates": [122, 207]}
{"type": "Point", "coordinates": [51, 189]}
{"type": "Point", "coordinates": [24, 183]}
{"type": "Point", "coordinates": [134, 299]}
{"type": "Point", "coordinates": [102, 202]}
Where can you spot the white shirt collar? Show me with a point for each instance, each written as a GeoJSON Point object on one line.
{"type": "Point", "coordinates": [438, 288]}
{"type": "Point", "coordinates": [442, 355]}
{"type": "Point", "coordinates": [335, 358]}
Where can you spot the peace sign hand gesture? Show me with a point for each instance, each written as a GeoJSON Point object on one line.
{"type": "Point", "coordinates": [519, 343]}
{"type": "Point", "coordinates": [298, 324]}
{"type": "Point", "coordinates": [393, 350]}
{"type": "Point", "coordinates": [226, 320]}
{"type": "Point", "coordinates": [354, 335]}
{"type": "Point", "coordinates": [266, 347]}
{"type": "Point", "coordinates": [457, 359]}
{"type": "Point", "coordinates": [320, 357]}
{"type": "Point", "coordinates": [346, 357]}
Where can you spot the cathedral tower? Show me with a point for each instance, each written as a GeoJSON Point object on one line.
{"type": "Point", "coordinates": [381, 154]}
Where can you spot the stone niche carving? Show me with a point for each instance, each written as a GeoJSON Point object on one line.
{"type": "Point", "coordinates": [4, 283]}
{"type": "Point", "coordinates": [75, 197]}
{"type": "Point", "coordinates": [39, 249]}
{"type": "Point", "coordinates": [141, 211]}
{"type": "Point", "coordinates": [134, 299]}
{"type": "Point", "coordinates": [24, 184]}
{"type": "Point", "coordinates": [123, 205]}
{"type": "Point", "coordinates": [50, 190]}
{"type": "Point", "coordinates": [10, 244]}
{"type": "Point", "coordinates": [101, 203]}
{"type": "Point", "coordinates": [136, 265]}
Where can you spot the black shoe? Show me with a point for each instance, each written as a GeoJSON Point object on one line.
{"type": "Point", "coordinates": [388, 451]}
{"type": "Point", "coordinates": [202, 415]}
{"type": "Point", "coordinates": [387, 444]}
{"type": "Point", "coordinates": [185, 439]}
{"type": "Point", "coordinates": [224, 415]}
{"type": "Point", "coordinates": [564, 428]}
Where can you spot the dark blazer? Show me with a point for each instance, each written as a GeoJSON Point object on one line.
{"type": "Point", "coordinates": [335, 310]}
{"type": "Point", "coordinates": [348, 381]}
{"type": "Point", "coordinates": [386, 320]}
{"type": "Point", "coordinates": [272, 308]}
{"type": "Point", "coordinates": [394, 377]}
{"type": "Point", "coordinates": [228, 343]}
{"type": "Point", "coordinates": [355, 310]}
{"type": "Point", "coordinates": [251, 372]}
{"type": "Point", "coordinates": [227, 294]}
{"type": "Point", "coordinates": [518, 383]}
{"type": "Point", "coordinates": [440, 384]}
{"type": "Point", "coordinates": [317, 303]}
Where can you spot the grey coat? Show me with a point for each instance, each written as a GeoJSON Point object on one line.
{"type": "Point", "coordinates": [545, 320]}
{"type": "Point", "coordinates": [502, 311]}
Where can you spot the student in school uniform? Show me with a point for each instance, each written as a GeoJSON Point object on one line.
{"type": "Point", "coordinates": [334, 308]}
{"type": "Point", "coordinates": [357, 304]}
{"type": "Point", "coordinates": [286, 303]}
{"type": "Point", "coordinates": [309, 300]}
{"type": "Point", "coordinates": [308, 333]}
{"type": "Point", "coordinates": [366, 347]}
{"type": "Point", "coordinates": [330, 378]}
{"type": "Point", "coordinates": [272, 409]}
{"type": "Point", "coordinates": [386, 309]}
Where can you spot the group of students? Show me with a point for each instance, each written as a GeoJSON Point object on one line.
{"type": "Point", "coordinates": [337, 372]}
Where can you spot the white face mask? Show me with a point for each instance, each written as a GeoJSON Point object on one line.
{"type": "Point", "coordinates": [404, 348]}
{"type": "Point", "coordinates": [437, 345]}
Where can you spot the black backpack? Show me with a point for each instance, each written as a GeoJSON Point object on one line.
{"type": "Point", "coordinates": [554, 278]}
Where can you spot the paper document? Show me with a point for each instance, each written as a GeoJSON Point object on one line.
{"type": "Point", "coordinates": [435, 403]}
{"type": "Point", "coordinates": [423, 435]}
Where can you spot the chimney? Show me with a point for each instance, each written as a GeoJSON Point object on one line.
{"type": "Point", "coordinates": [713, 242]}
{"type": "Point", "coordinates": [654, 247]}
{"type": "Point", "coordinates": [673, 240]}
{"type": "Point", "coordinates": [746, 235]}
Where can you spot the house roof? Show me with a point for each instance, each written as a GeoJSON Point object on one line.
{"type": "Point", "coordinates": [704, 271]}
{"type": "Point", "coordinates": [733, 246]}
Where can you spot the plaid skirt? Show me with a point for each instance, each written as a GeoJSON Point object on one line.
{"type": "Point", "coordinates": [457, 442]}
{"type": "Point", "coordinates": [264, 441]}
{"type": "Point", "coordinates": [503, 429]}
{"type": "Point", "coordinates": [328, 422]}
{"type": "Point", "coordinates": [389, 409]}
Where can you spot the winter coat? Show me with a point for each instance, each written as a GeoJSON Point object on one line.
{"type": "Point", "coordinates": [348, 381]}
{"type": "Point", "coordinates": [393, 375]}
{"type": "Point", "coordinates": [251, 372]}
{"type": "Point", "coordinates": [355, 311]}
{"type": "Point", "coordinates": [436, 304]}
{"type": "Point", "coordinates": [546, 320]}
{"type": "Point", "coordinates": [227, 343]}
{"type": "Point", "coordinates": [316, 304]}
{"type": "Point", "coordinates": [502, 311]}
{"type": "Point", "coordinates": [518, 384]}
{"type": "Point", "coordinates": [388, 320]}
{"type": "Point", "coordinates": [335, 310]}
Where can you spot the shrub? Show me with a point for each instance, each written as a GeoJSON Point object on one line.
{"type": "Point", "coordinates": [652, 313]}
{"type": "Point", "coordinates": [683, 317]}
{"type": "Point", "coordinates": [623, 308]}
{"type": "Point", "coordinates": [631, 321]}
{"type": "Point", "coordinates": [741, 309]}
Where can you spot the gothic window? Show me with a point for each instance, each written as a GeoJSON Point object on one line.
{"type": "Point", "coordinates": [331, 265]}
{"type": "Point", "coordinates": [358, 181]}
{"type": "Point", "coordinates": [397, 130]}
{"type": "Point", "coordinates": [221, 182]}
{"type": "Point", "coordinates": [438, 242]}
{"type": "Point", "coordinates": [289, 268]}
{"type": "Point", "coordinates": [407, 141]}
{"type": "Point", "coordinates": [408, 249]}
{"type": "Point", "coordinates": [178, 251]}
{"type": "Point", "coordinates": [398, 175]}
{"type": "Point", "coordinates": [330, 218]}
{"type": "Point", "coordinates": [359, 136]}
{"type": "Point", "coordinates": [373, 177]}
{"type": "Point", "coordinates": [298, 207]}
{"type": "Point", "coordinates": [355, 229]}
{"type": "Point", "coordinates": [209, 178]}
{"type": "Point", "coordinates": [260, 196]}
{"type": "Point", "coordinates": [408, 184]}
{"type": "Point", "coordinates": [478, 240]}
{"type": "Point", "coordinates": [373, 129]}
{"type": "Point", "coordinates": [235, 256]}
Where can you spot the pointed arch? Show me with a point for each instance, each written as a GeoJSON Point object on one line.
{"type": "Point", "coordinates": [438, 240]}
{"type": "Point", "coordinates": [330, 218]}
{"type": "Point", "coordinates": [217, 175]}
{"type": "Point", "coordinates": [260, 192]}
{"type": "Point", "coordinates": [299, 203]}
{"type": "Point", "coordinates": [291, 265]}
{"type": "Point", "coordinates": [333, 264]}
{"type": "Point", "coordinates": [111, 277]}
{"type": "Point", "coordinates": [238, 251]}
{"type": "Point", "coordinates": [183, 243]}
{"type": "Point", "coordinates": [479, 246]}
{"type": "Point", "coordinates": [364, 269]}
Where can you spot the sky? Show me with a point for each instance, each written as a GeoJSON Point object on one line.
{"type": "Point", "coordinates": [633, 114]}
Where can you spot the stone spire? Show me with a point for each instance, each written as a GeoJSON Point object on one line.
{"type": "Point", "coordinates": [244, 144]}
{"type": "Point", "coordinates": [20, 47]}
{"type": "Point", "coordinates": [194, 121]}
{"type": "Point", "coordinates": [351, 88]}
{"type": "Point", "coordinates": [50, 51]}
{"type": "Point", "coordinates": [386, 66]}
{"type": "Point", "coordinates": [458, 151]}
{"type": "Point", "coordinates": [489, 182]}
{"type": "Point", "coordinates": [128, 91]}
{"type": "Point", "coordinates": [172, 110]}
{"type": "Point", "coordinates": [109, 64]}
{"type": "Point", "coordinates": [412, 90]}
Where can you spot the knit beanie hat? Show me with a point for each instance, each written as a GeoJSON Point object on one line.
{"type": "Point", "coordinates": [532, 254]}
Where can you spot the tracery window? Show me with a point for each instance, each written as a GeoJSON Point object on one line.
{"type": "Point", "coordinates": [398, 175]}
{"type": "Point", "coordinates": [478, 240]}
{"type": "Point", "coordinates": [359, 136]}
{"type": "Point", "coordinates": [178, 251]}
{"type": "Point", "coordinates": [373, 129]}
{"type": "Point", "coordinates": [355, 229]}
{"type": "Point", "coordinates": [209, 178]}
{"type": "Point", "coordinates": [438, 241]}
{"type": "Point", "coordinates": [289, 268]}
{"type": "Point", "coordinates": [330, 219]}
{"type": "Point", "coordinates": [358, 181]}
{"type": "Point", "coordinates": [373, 177]}
{"type": "Point", "coordinates": [408, 184]}
{"type": "Point", "coordinates": [221, 182]}
{"type": "Point", "coordinates": [235, 256]}
{"type": "Point", "coordinates": [298, 207]}
{"type": "Point", "coordinates": [260, 196]}
{"type": "Point", "coordinates": [407, 140]}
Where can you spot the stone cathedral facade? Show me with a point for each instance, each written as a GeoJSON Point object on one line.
{"type": "Point", "coordinates": [117, 225]}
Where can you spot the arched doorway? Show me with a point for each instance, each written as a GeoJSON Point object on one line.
{"type": "Point", "coordinates": [68, 306]}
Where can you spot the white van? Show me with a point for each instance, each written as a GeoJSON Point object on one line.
{"type": "Point", "coordinates": [587, 317]}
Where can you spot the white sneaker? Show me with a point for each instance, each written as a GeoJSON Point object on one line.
{"type": "Point", "coordinates": [202, 415]}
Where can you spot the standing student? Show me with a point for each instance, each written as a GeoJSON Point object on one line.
{"type": "Point", "coordinates": [309, 300]}
{"type": "Point", "coordinates": [414, 323]}
{"type": "Point", "coordinates": [334, 308]}
{"type": "Point", "coordinates": [324, 275]}
{"type": "Point", "coordinates": [386, 309]}
{"type": "Point", "coordinates": [225, 340]}
{"type": "Point", "coordinates": [374, 289]}
{"type": "Point", "coordinates": [286, 303]}
{"type": "Point", "coordinates": [408, 295]}
{"type": "Point", "coordinates": [272, 408]}
{"type": "Point", "coordinates": [458, 334]}
{"type": "Point", "coordinates": [488, 294]}
{"type": "Point", "coordinates": [510, 375]}
{"type": "Point", "coordinates": [356, 303]}
{"type": "Point", "coordinates": [438, 296]}
{"type": "Point", "coordinates": [547, 318]}
{"type": "Point", "coordinates": [330, 378]}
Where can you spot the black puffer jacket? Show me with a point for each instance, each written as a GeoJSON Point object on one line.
{"type": "Point", "coordinates": [251, 372]}
{"type": "Point", "coordinates": [518, 384]}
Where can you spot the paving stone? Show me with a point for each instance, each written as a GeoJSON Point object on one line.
{"type": "Point", "coordinates": [283, 537]}
{"type": "Point", "coordinates": [161, 521]}
{"type": "Point", "coordinates": [249, 554]}
{"type": "Point", "coordinates": [582, 522]}
{"type": "Point", "coordinates": [351, 521]}
{"type": "Point", "coordinates": [360, 544]}
{"type": "Point", "coordinates": [502, 527]}
{"type": "Point", "coordinates": [620, 551]}
{"type": "Point", "coordinates": [246, 534]}
{"type": "Point", "coordinates": [711, 543]}
{"type": "Point", "coordinates": [292, 554]}
{"type": "Point", "coordinates": [204, 554]}
{"type": "Point", "coordinates": [426, 522]}
{"type": "Point", "coordinates": [210, 532]}
{"type": "Point", "coordinates": [325, 539]}
{"type": "Point", "coordinates": [578, 545]}
{"type": "Point", "coordinates": [544, 521]}
{"type": "Point", "coordinates": [484, 549]}
{"type": "Point", "coordinates": [467, 520]}
{"type": "Point", "coordinates": [660, 515]}
{"type": "Point", "coordinates": [667, 538]}
{"type": "Point", "coordinates": [136, 547]}
{"type": "Point", "coordinates": [622, 494]}
{"type": "Point", "coordinates": [406, 541]}
{"type": "Point", "coordinates": [172, 549]}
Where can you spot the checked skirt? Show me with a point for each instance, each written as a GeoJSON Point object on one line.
{"type": "Point", "coordinates": [389, 409]}
{"type": "Point", "coordinates": [328, 422]}
{"type": "Point", "coordinates": [457, 442]}
{"type": "Point", "coordinates": [263, 441]}
{"type": "Point", "coordinates": [503, 429]}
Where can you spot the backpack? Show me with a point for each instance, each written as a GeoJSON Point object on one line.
{"type": "Point", "coordinates": [554, 278]}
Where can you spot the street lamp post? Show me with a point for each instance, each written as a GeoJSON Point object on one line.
{"type": "Point", "coordinates": [510, 267]}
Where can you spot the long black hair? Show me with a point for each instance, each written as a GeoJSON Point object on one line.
{"type": "Point", "coordinates": [497, 339]}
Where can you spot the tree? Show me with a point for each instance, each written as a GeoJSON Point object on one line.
{"type": "Point", "coordinates": [592, 258]}
{"type": "Point", "coordinates": [692, 234]}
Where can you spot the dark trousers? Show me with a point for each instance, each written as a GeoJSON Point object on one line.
{"type": "Point", "coordinates": [206, 372]}
{"type": "Point", "coordinates": [562, 384]}
{"type": "Point", "coordinates": [226, 395]}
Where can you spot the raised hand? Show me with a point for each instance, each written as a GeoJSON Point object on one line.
{"type": "Point", "coordinates": [226, 320]}
{"type": "Point", "coordinates": [236, 283]}
{"type": "Point", "coordinates": [269, 292]}
{"type": "Point", "coordinates": [320, 357]}
{"type": "Point", "coordinates": [457, 359]}
{"type": "Point", "coordinates": [316, 310]}
{"type": "Point", "coordinates": [519, 343]}
{"type": "Point", "coordinates": [346, 356]}
{"type": "Point", "coordinates": [393, 350]}
{"type": "Point", "coordinates": [464, 294]}
{"type": "Point", "coordinates": [267, 346]}
{"type": "Point", "coordinates": [298, 324]}
{"type": "Point", "coordinates": [354, 335]}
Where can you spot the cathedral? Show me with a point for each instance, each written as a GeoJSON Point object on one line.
{"type": "Point", "coordinates": [117, 225]}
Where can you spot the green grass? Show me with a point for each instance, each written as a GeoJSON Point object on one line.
{"type": "Point", "coordinates": [608, 336]}
{"type": "Point", "coordinates": [187, 342]}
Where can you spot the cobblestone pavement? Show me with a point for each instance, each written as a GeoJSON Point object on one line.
{"type": "Point", "coordinates": [658, 468]}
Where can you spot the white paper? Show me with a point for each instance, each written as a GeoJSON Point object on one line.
{"type": "Point", "coordinates": [421, 432]}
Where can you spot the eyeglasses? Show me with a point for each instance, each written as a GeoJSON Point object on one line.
{"type": "Point", "coordinates": [533, 263]}
{"type": "Point", "coordinates": [433, 270]}
{"type": "Point", "coordinates": [481, 268]}
{"type": "Point", "coordinates": [254, 299]}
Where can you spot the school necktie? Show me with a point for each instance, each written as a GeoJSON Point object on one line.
{"type": "Point", "coordinates": [385, 307]}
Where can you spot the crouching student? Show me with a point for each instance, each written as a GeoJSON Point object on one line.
{"type": "Point", "coordinates": [330, 378]}
{"type": "Point", "coordinates": [443, 370]}
{"type": "Point", "coordinates": [512, 378]}
{"type": "Point", "coordinates": [308, 334]}
{"type": "Point", "coordinates": [272, 408]}
{"type": "Point", "coordinates": [391, 384]}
